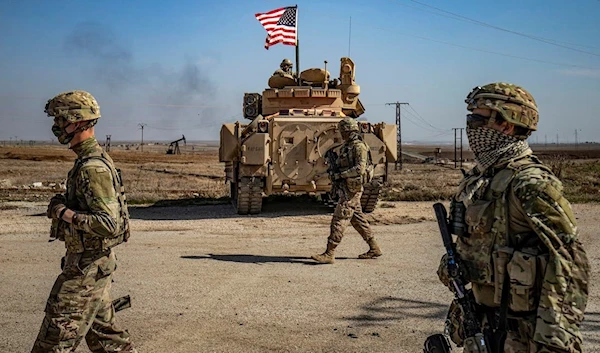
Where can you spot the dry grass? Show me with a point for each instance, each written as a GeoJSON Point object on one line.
{"type": "Point", "coordinates": [422, 182]}
{"type": "Point", "coordinates": [197, 177]}
{"type": "Point", "coordinates": [149, 177]}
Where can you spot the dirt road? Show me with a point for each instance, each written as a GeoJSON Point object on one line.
{"type": "Point", "coordinates": [203, 279]}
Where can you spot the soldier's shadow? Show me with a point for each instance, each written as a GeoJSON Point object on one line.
{"type": "Point", "coordinates": [590, 328]}
{"type": "Point", "coordinates": [395, 309]}
{"type": "Point", "coordinates": [256, 259]}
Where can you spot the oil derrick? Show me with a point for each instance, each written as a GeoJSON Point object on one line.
{"type": "Point", "coordinates": [174, 146]}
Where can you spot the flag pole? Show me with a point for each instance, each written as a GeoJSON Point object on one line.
{"type": "Point", "coordinates": [297, 50]}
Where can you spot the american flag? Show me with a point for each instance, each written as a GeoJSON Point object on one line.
{"type": "Point", "coordinates": [280, 25]}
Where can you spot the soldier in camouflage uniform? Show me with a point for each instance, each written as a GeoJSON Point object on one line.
{"type": "Point", "coordinates": [285, 68]}
{"type": "Point", "coordinates": [515, 230]}
{"type": "Point", "coordinates": [91, 218]}
{"type": "Point", "coordinates": [351, 164]}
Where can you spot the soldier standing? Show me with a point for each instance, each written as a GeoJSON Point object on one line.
{"type": "Point", "coordinates": [285, 68]}
{"type": "Point", "coordinates": [516, 233]}
{"type": "Point", "coordinates": [91, 218]}
{"type": "Point", "coordinates": [351, 164]}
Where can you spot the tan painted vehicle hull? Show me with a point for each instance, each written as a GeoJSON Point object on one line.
{"type": "Point", "coordinates": [283, 151]}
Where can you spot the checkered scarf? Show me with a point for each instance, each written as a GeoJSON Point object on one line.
{"type": "Point", "coordinates": [490, 146]}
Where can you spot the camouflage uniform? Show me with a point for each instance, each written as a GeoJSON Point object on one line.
{"type": "Point", "coordinates": [514, 224]}
{"type": "Point", "coordinates": [79, 305]}
{"type": "Point", "coordinates": [351, 164]}
{"type": "Point", "coordinates": [285, 68]}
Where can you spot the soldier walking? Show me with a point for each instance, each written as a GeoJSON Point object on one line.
{"type": "Point", "coordinates": [351, 164]}
{"type": "Point", "coordinates": [91, 218]}
{"type": "Point", "coordinates": [517, 238]}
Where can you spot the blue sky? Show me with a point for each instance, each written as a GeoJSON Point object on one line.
{"type": "Point", "coordinates": [182, 67]}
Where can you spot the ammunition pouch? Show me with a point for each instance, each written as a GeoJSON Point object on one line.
{"type": "Point", "coordinates": [479, 217]}
{"type": "Point", "coordinates": [525, 270]}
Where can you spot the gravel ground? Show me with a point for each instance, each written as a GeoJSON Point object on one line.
{"type": "Point", "coordinates": [203, 279]}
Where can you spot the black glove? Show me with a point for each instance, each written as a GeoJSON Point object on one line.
{"type": "Point", "coordinates": [56, 203]}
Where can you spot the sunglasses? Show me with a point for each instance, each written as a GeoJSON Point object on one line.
{"type": "Point", "coordinates": [61, 122]}
{"type": "Point", "coordinates": [475, 121]}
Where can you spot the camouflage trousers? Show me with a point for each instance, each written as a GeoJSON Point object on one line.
{"type": "Point", "coordinates": [79, 307]}
{"type": "Point", "coordinates": [519, 339]}
{"type": "Point", "coordinates": [349, 211]}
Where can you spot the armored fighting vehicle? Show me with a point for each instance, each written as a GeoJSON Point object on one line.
{"type": "Point", "coordinates": [293, 124]}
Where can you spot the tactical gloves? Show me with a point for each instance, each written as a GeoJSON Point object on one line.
{"type": "Point", "coordinates": [56, 204]}
{"type": "Point", "coordinates": [442, 271]}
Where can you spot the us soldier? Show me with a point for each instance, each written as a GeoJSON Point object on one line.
{"type": "Point", "coordinates": [348, 181]}
{"type": "Point", "coordinates": [285, 68]}
{"type": "Point", "coordinates": [517, 236]}
{"type": "Point", "coordinates": [91, 218]}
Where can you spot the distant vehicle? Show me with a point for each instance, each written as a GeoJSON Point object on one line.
{"type": "Point", "coordinates": [293, 124]}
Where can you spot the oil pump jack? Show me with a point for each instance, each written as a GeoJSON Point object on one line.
{"type": "Point", "coordinates": [174, 146]}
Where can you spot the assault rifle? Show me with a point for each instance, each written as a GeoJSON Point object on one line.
{"type": "Point", "coordinates": [331, 157]}
{"type": "Point", "coordinates": [475, 341]}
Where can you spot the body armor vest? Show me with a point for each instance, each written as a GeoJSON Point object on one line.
{"type": "Point", "coordinates": [78, 241]}
{"type": "Point", "coordinates": [488, 244]}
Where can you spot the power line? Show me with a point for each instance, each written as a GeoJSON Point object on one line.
{"type": "Point", "coordinates": [459, 17]}
{"type": "Point", "coordinates": [423, 119]}
{"type": "Point", "coordinates": [418, 123]}
{"type": "Point", "coordinates": [477, 49]}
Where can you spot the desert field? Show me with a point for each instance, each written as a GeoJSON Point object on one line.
{"type": "Point", "coordinates": [203, 279]}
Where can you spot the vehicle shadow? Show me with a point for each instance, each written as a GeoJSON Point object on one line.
{"type": "Point", "coordinates": [193, 209]}
{"type": "Point", "coordinates": [256, 259]}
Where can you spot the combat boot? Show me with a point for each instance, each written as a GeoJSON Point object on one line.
{"type": "Point", "coordinates": [326, 257]}
{"type": "Point", "coordinates": [373, 252]}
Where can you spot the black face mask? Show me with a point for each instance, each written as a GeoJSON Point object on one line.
{"type": "Point", "coordinates": [59, 130]}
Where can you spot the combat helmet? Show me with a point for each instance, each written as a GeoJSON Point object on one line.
{"type": "Point", "coordinates": [512, 102]}
{"type": "Point", "coordinates": [286, 62]}
{"type": "Point", "coordinates": [69, 108]}
{"type": "Point", "coordinates": [348, 125]}
{"type": "Point", "coordinates": [73, 106]}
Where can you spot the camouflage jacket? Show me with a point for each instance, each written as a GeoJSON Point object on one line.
{"type": "Point", "coordinates": [91, 192]}
{"type": "Point", "coordinates": [352, 162]}
{"type": "Point", "coordinates": [522, 228]}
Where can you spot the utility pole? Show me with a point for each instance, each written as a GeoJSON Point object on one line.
{"type": "Point", "coordinates": [461, 145]}
{"type": "Point", "coordinates": [142, 127]}
{"type": "Point", "coordinates": [398, 134]}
